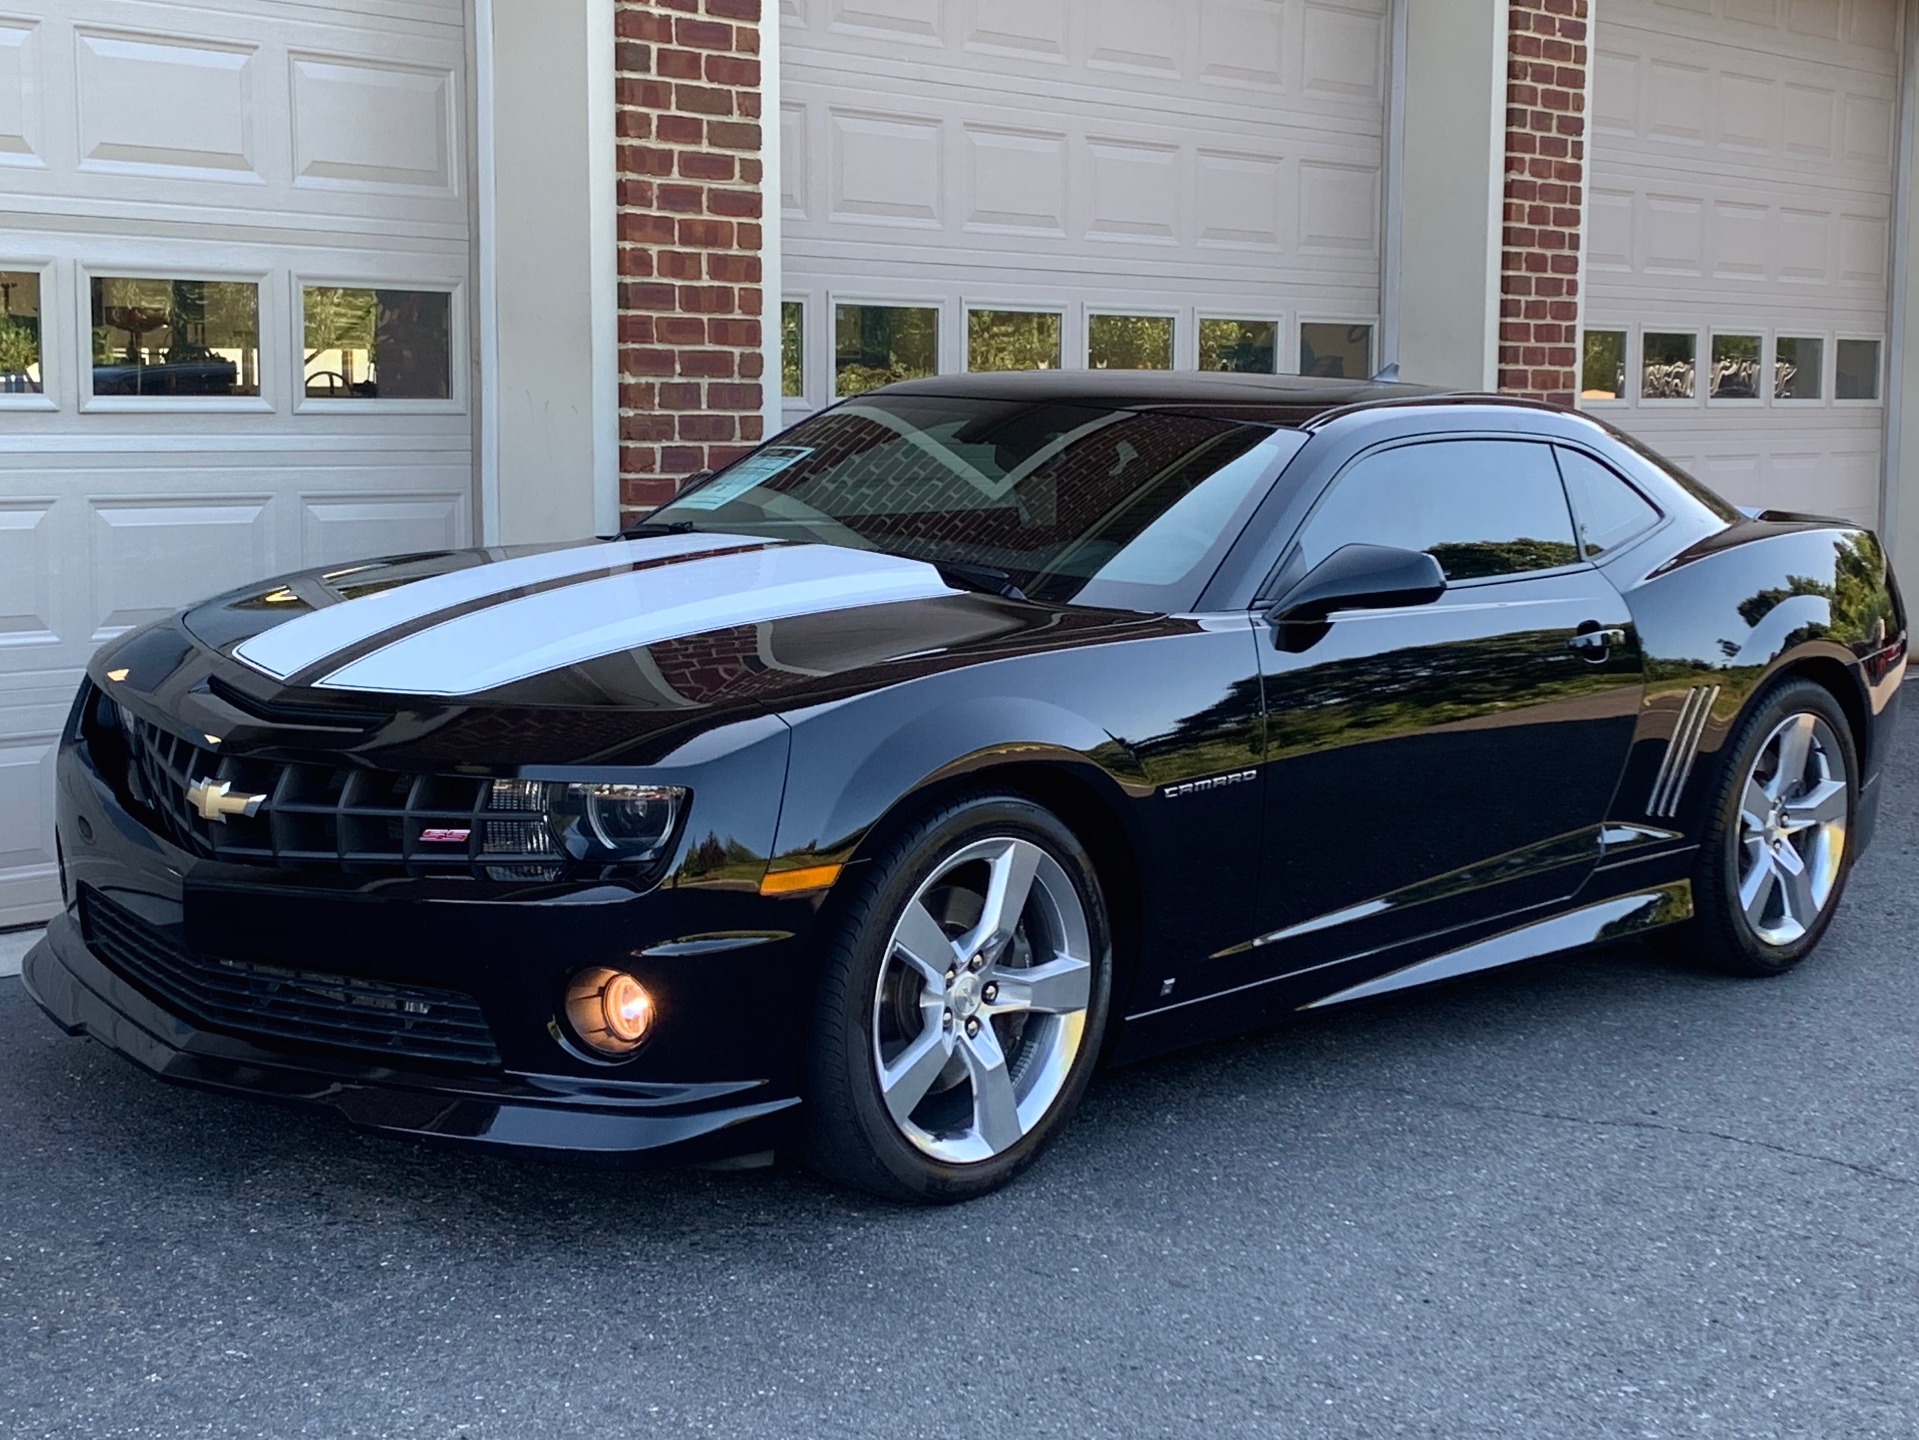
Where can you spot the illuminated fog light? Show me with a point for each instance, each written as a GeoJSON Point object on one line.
{"type": "Point", "coordinates": [609, 1010]}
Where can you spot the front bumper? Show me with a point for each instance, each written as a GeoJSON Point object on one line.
{"type": "Point", "coordinates": [596, 1121]}
{"type": "Point", "coordinates": [729, 969]}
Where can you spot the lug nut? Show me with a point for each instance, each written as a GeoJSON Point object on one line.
{"type": "Point", "coordinates": [978, 962]}
{"type": "Point", "coordinates": [952, 973]}
{"type": "Point", "coordinates": [972, 1027]}
{"type": "Point", "coordinates": [990, 994]}
{"type": "Point", "coordinates": [946, 1020]}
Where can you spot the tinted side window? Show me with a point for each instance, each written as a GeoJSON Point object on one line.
{"type": "Point", "coordinates": [1481, 507]}
{"type": "Point", "coordinates": [1610, 512]}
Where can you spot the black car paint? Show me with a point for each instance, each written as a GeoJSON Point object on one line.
{"type": "Point", "coordinates": [1239, 900]}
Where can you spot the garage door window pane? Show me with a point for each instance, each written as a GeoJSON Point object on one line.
{"type": "Point", "coordinates": [1012, 340]}
{"type": "Point", "coordinates": [1602, 365]}
{"type": "Point", "coordinates": [1796, 372]}
{"type": "Point", "coordinates": [1856, 370]}
{"type": "Point", "coordinates": [792, 349]}
{"type": "Point", "coordinates": [19, 333]}
{"type": "Point", "coordinates": [1479, 507]}
{"type": "Point", "coordinates": [1129, 342]}
{"type": "Point", "coordinates": [1249, 347]}
{"type": "Point", "coordinates": [1341, 351]}
{"type": "Point", "coordinates": [378, 344]}
{"type": "Point", "coordinates": [1666, 366]}
{"type": "Point", "coordinates": [1735, 368]}
{"type": "Point", "coordinates": [175, 337]}
{"type": "Point", "coordinates": [876, 345]}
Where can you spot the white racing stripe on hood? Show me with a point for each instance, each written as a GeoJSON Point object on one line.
{"type": "Point", "coordinates": [311, 638]}
{"type": "Point", "coordinates": [538, 633]}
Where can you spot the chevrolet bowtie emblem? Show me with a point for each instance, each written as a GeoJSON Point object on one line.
{"type": "Point", "coordinates": [217, 801]}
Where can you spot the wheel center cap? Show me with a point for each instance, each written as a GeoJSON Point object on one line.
{"type": "Point", "coordinates": [962, 996]}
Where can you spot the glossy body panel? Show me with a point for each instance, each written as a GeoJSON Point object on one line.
{"type": "Point", "coordinates": [1462, 748]}
{"type": "Point", "coordinates": [1281, 817]}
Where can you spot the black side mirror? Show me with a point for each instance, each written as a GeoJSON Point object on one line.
{"type": "Point", "coordinates": [1357, 577]}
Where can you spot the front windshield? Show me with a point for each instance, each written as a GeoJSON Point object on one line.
{"type": "Point", "coordinates": [1067, 502]}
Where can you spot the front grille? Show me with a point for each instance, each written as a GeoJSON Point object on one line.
{"type": "Point", "coordinates": [271, 1003]}
{"type": "Point", "coordinates": [320, 814]}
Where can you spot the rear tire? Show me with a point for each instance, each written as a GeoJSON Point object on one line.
{"type": "Point", "coordinates": [961, 1004]}
{"type": "Point", "coordinates": [1777, 848]}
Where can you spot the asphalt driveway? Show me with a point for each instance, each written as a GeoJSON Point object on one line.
{"type": "Point", "coordinates": [1599, 1196]}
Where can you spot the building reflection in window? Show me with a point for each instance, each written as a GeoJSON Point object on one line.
{"type": "Point", "coordinates": [1735, 368]}
{"type": "Point", "coordinates": [1249, 347]}
{"type": "Point", "coordinates": [175, 337]}
{"type": "Point", "coordinates": [377, 344]}
{"type": "Point", "coordinates": [1336, 350]}
{"type": "Point", "coordinates": [20, 333]}
{"type": "Point", "coordinates": [1667, 365]}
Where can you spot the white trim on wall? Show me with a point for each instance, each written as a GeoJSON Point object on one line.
{"type": "Point", "coordinates": [486, 350]}
{"type": "Point", "coordinates": [1585, 209]}
{"type": "Point", "coordinates": [772, 404]}
{"type": "Point", "coordinates": [1393, 184]}
{"type": "Point", "coordinates": [603, 221]}
{"type": "Point", "coordinates": [1896, 509]}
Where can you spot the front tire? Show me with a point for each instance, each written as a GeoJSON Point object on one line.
{"type": "Point", "coordinates": [1777, 848]}
{"type": "Point", "coordinates": [961, 1004]}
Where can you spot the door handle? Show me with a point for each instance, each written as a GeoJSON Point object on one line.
{"type": "Point", "coordinates": [1594, 644]}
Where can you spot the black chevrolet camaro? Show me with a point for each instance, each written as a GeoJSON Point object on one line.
{"type": "Point", "coordinates": [860, 800]}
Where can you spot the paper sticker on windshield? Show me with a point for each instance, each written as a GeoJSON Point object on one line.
{"type": "Point", "coordinates": [753, 470]}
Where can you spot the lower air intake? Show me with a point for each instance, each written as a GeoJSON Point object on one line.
{"type": "Point", "coordinates": [266, 1002]}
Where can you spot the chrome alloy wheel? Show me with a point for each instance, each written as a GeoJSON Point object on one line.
{"type": "Point", "coordinates": [980, 1009]}
{"type": "Point", "coordinates": [1793, 814]}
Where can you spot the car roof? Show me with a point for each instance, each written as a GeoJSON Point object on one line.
{"type": "Point", "coordinates": [1268, 399]}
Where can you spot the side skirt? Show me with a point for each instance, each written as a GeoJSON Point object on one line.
{"type": "Point", "coordinates": [1608, 920]}
{"type": "Point", "coordinates": [1634, 897]}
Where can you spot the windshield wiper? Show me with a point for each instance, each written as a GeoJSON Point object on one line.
{"type": "Point", "coordinates": [983, 578]}
{"type": "Point", "coordinates": [659, 527]}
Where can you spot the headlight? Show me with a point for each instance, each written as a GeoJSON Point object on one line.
{"type": "Point", "coordinates": [631, 820]}
{"type": "Point", "coordinates": [530, 821]}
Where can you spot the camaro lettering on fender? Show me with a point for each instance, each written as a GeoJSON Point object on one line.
{"type": "Point", "coordinates": [1216, 782]}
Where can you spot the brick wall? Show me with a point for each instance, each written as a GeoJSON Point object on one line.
{"type": "Point", "coordinates": [690, 239]}
{"type": "Point", "coordinates": [1544, 198]}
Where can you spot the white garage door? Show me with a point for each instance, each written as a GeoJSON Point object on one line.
{"type": "Point", "coordinates": [1738, 248]}
{"type": "Point", "coordinates": [1120, 183]}
{"type": "Point", "coordinates": [233, 291]}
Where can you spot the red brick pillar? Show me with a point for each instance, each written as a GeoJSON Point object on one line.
{"type": "Point", "coordinates": [690, 240]}
{"type": "Point", "coordinates": [1539, 300]}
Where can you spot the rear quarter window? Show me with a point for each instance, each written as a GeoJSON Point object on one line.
{"type": "Point", "coordinates": [1609, 512]}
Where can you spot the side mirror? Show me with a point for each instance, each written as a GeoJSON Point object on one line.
{"type": "Point", "coordinates": [1358, 577]}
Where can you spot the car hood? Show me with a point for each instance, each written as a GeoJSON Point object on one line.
{"type": "Point", "coordinates": [663, 623]}
{"type": "Point", "coordinates": [472, 622]}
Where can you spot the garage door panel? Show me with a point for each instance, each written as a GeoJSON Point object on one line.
{"type": "Point", "coordinates": [1134, 191]}
{"type": "Point", "coordinates": [1818, 19]}
{"type": "Point", "coordinates": [1239, 203]}
{"type": "Point", "coordinates": [20, 92]}
{"type": "Point", "coordinates": [1016, 180]}
{"type": "Point", "coordinates": [362, 125]}
{"type": "Point", "coordinates": [27, 565]}
{"type": "Point", "coordinates": [1242, 43]}
{"type": "Point", "coordinates": [1034, 29]}
{"type": "Point", "coordinates": [27, 859]}
{"type": "Point", "coordinates": [151, 104]}
{"type": "Point", "coordinates": [274, 142]}
{"type": "Point", "coordinates": [150, 556]}
{"type": "Point", "coordinates": [886, 168]}
{"type": "Point", "coordinates": [197, 115]}
{"type": "Point", "coordinates": [1343, 54]}
{"type": "Point", "coordinates": [338, 529]}
{"type": "Point", "coordinates": [1741, 184]}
